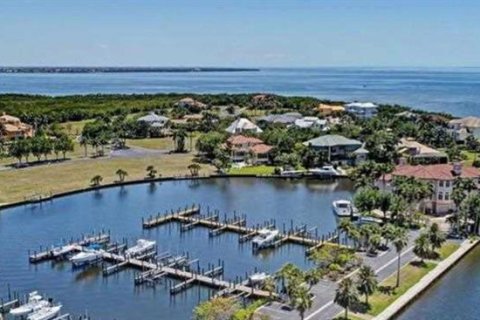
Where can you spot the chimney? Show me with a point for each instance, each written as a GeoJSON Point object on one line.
{"type": "Point", "coordinates": [457, 168]}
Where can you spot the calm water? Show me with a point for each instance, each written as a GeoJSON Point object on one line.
{"type": "Point", "coordinates": [454, 297]}
{"type": "Point", "coordinates": [121, 209]}
{"type": "Point", "coordinates": [455, 90]}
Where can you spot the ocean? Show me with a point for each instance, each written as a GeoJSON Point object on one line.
{"type": "Point", "coordinates": [452, 90]}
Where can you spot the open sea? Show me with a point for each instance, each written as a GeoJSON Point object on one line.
{"type": "Point", "coordinates": [452, 90]}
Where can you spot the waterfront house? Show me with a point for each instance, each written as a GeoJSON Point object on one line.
{"type": "Point", "coordinates": [248, 149]}
{"type": "Point", "coordinates": [460, 129]}
{"type": "Point", "coordinates": [12, 128]}
{"type": "Point", "coordinates": [441, 176]}
{"type": "Point", "coordinates": [362, 110]}
{"type": "Point", "coordinates": [339, 149]}
{"type": "Point", "coordinates": [190, 103]}
{"type": "Point", "coordinates": [312, 123]}
{"type": "Point", "coordinates": [327, 110]}
{"type": "Point", "coordinates": [243, 125]}
{"type": "Point", "coordinates": [417, 153]}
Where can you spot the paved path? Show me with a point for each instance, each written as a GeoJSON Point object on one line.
{"type": "Point", "coordinates": [323, 307]}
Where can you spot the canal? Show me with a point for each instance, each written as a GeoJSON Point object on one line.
{"type": "Point", "coordinates": [120, 210]}
{"type": "Point", "coordinates": [454, 296]}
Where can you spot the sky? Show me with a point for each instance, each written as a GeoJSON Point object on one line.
{"type": "Point", "coordinates": [240, 33]}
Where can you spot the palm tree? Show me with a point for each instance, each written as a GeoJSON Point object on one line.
{"type": "Point", "coordinates": [436, 236]}
{"type": "Point", "coordinates": [179, 137]}
{"type": "Point", "coordinates": [96, 180]}
{"type": "Point", "coordinates": [194, 169]}
{"type": "Point", "coordinates": [270, 285]}
{"type": "Point", "coordinates": [303, 301]}
{"type": "Point", "coordinates": [151, 172]}
{"type": "Point", "coordinates": [384, 200]}
{"type": "Point", "coordinates": [312, 277]}
{"type": "Point", "coordinates": [367, 282]}
{"type": "Point", "coordinates": [121, 174]}
{"type": "Point", "coordinates": [400, 241]}
{"type": "Point", "coordinates": [346, 226]}
{"type": "Point", "coordinates": [346, 295]}
{"type": "Point", "coordinates": [366, 200]}
{"type": "Point", "coordinates": [423, 247]}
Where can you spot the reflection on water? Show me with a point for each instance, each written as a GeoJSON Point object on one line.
{"type": "Point", "coordinates": [120, 210]}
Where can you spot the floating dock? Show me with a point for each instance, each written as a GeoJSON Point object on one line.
{"type": "Point", "coordinates": [191, 216]}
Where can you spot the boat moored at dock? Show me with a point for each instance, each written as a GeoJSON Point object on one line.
{"type": "Point", "coordinates": [344, 208]}
{"type": "Point", "coordinates": [34, 303]}
{"type": "Point", "coordinates": [46, 313]}
{"type": "Point", "coordinates": [265, 238]}
{"type": "Point", "coordinates": [143, 246]}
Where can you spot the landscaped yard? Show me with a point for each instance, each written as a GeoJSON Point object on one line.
{"type": "Point", "coordinates": [409, 275]}
{"type": "Point", "coordinates": [165, 143]}
{"type": "Point", "coordinates": [471, 156]}
{"type": "Point", "coordinates": [253, 170]}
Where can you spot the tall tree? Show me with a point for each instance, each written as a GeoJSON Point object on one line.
{"type": "Point", "coordinates": [366, 282]}
{"type": "Point", "coordinates": [303, 301]}
{"type": "Point", "coordinates": [400, 241]}
{"type": "Point", "coordinates": [423, 247]}
{"type": "Point", "coordinates": [346, 295]}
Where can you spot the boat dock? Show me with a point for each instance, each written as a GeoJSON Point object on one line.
{"type": "Point", "coordinates": [190, 217]}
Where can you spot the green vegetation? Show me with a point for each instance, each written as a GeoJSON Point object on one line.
{"type": "Point", "coordinates": [447, 249]}
{"type": "Point", "coordinates": [253, 170]}
{"type": "Point", "coordinates": [388, 292]}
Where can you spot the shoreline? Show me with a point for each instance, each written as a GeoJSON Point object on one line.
{"type": "Point", "coordinates": [427, 281]}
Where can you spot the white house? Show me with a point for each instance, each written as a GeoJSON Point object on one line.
{"type": "Point", "coordinates": [154, 120]}
{"type": "Point", "coordinates": [362, 110]}
{"type": "Point", "coordinates": [242, 125]}
{"type": "Point", "coordinates": [462, 128]}
{"type": "Point", "coordinates": [311, 122]}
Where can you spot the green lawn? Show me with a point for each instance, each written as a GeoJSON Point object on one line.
{"type": "Point", "coordinates": [471, 156]}
{"type": "Point", "coordinates": [409, 276]}
{"type": "Point", "coordinates": [447, 249]}
{"type": "Point", "coordinates": [165, 143]}
{"type": "Point", "coordinates": [258, 170]}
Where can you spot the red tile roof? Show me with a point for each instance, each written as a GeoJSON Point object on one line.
{"type": "Point", "coordinates": [240, 139]}
{"type": "Point", "coordinates": [434, 172]}
{"type": "Point", "coordinates": [261, 148]}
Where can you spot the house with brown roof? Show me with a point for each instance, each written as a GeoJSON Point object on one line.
{"type": "Point", "coordinates": [12, 128]}
{"type": "Point", "coordinates": [189, 102]}
{"type": "Point", "coordinates": [417, 153]}
{"type": "Point", "coordinates": [327, 110]}
{"type": "Point", "coordinates": [464, 127]}
{"type": "Point", "coordinates": [248, 149]}
{"type": "Point", "coordinates": [441, 176]}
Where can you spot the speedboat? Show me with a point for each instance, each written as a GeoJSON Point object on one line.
{"type": "Point", "coordinates": [45, 313]}
{"type": "Point", "coordinates": [86, 257]}
{"type": "Point", "coordinates": [258, 277]}
{"type": "Point", "coordinates": [34, 303]}
{"type": "Point", "coordinates": [265, 238]}
{"type": "Point", "coordinates": [325, 171]}
{"type": "Point", "coordinates": [369, 220]}
{"type": "Point", "coordinates": [344, 208]}
{"type": "Point", "coordinates": [143, 246]}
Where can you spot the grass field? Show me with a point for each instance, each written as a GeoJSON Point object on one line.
{"type": "Point", "coordinates": [447, 249]}
{"type": "Point", "coordinates": [471, 156]}
{"type": "Point", "coordinates": [76, 174]}
{"type": "Point", "coordinates": [257, 170]}
{"type": "Point", "coordinates": [409, 275]}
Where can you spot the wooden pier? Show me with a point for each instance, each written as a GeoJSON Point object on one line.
{"type": "Point", "coordinates": [191, 217]}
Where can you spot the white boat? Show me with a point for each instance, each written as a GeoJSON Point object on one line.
{"type": "Point", "coordinates": [86, 257]}
{"type": "Point", "coordinates": [34, 303]}
{"type": "Point", "coordinates": [265, 238]}
{"type": "Point", "coordinates": [325, 171]}
{"type": "Point", "coordinates": [45, 313]}
{"type": "Point", "coordinates": [258, 277]}
{"type": "Point", "coordinates": [143, 246]}
{"type": "Point", "coordinates": [344, 208]}
{"type": "Point", "coordinates": [62, 251]}
{"type": "Point", "coordinates": [367, 220]}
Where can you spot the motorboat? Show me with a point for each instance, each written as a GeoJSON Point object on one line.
{"type": "Point", "coordinates": [143, 246]}
{"type": "Point", "coordinates": [62, 251]}
{"type": "Point", "coordinates": [45, 313]}
{"type": "Point", "coordinates": [325, 171]}
{"type": "Point", "coordinates": [344, 208]}
{"type": "Point", "coordinates": [369, 220]}
{"type": "Point", "coordinates": [258, 277]}
{"type": "Point", "coordinates": [34, 303]}
{"type": "Point", "coordinates": [264, 238]}
{"type": "Point", "coordinates": [86, 257]}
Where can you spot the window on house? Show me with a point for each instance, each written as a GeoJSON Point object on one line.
{"type": "Point", "coordinates": [447, 184]}
{"type": "Point", "coordinates": [447, 196]}
{"type": "Point", "coordinates": [440, 183]}
{"type": "Point", "coordinates": [440, 196]}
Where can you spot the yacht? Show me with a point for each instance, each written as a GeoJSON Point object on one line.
{"type": "Point", "coordinates": [258, 277]}
{"type": "Point", "coordinates": [34, 303]}
{"type": "Point", "coordinates": [45, 313]}
{"type": "Point", "coordinates": [325, 171]}
{"type": "Point", "coordinates": [265, 238]}
{"type": "Point", "coordinates": [86, 257]}
{"type": "Point", "coordinates": [344, 208]}
{"type": "Point", "coordinates": [143, 246]}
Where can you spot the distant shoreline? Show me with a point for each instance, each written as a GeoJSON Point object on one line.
{"type": "Point", "coordinates": [119, 69]}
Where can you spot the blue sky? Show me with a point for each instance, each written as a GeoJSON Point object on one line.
{"type": "Point", "coordinates": [240, 32]}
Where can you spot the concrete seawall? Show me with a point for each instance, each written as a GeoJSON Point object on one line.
{"type": "Point", "coordinates": [430, 278]}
